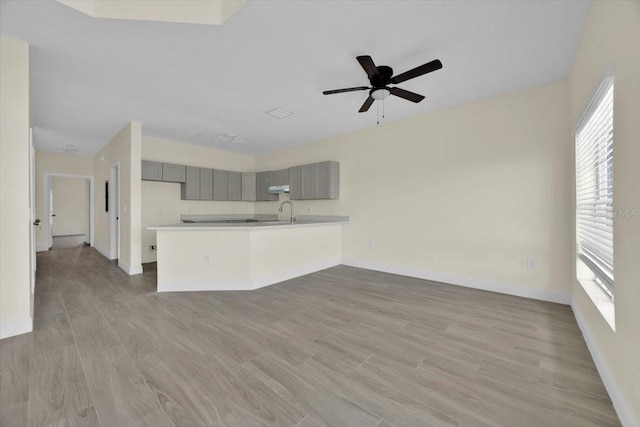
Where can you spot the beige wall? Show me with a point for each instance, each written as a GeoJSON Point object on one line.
{"type": "Point", "coordinates": [469, 192]}
{"type": "Point", "coordinates": [71, 206]}
{"type": "Point", "coordinates": [161, 204]}
{"type": "Point", "coordinates": [15, 222]}
{"type": "Point", "coordinates": [55, 163]}
{"type": "Point", "coordinates": [124, 149]}
{"type": "Point", "coordinates": [611, 41]}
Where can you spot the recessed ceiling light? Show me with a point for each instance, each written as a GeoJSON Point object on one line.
{"type": "Point", "coordinates": [279, 113]}
{"type": "Point", "coordinates": [232, 137]}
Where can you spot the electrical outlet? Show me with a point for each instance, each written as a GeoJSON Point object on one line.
{"type": "Point", "coordinates": [532, 264]}
{"type": "Point", "coordinates": [372, 244]}
{"type": "Point", "coordinates": [152, 248]}
{"type": "Point", "coordinates": [207, 258]}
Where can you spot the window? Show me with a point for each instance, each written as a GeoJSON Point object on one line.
{"type": "Point", "coordinates": [594, 186]}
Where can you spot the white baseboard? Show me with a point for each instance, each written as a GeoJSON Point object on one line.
{"type": "Point", "coordinates": [619, 402]}
{"type": "Point", "coordinates": [203, 285]}
{"type": "Point", "coordinates": [242, 284]}
{"type": "Point", "coordinates": [16, 327]}
{"type": "Point", "coordinates": [103, 251]}
{"type": "Point", "coordinates": [469, 282]}
{"type": "Point", "coordinates": [42, 248]}
{"type": "Point", "coordinates": [261, 282]}
{"type": "Point", "coordinates": [130, 270]}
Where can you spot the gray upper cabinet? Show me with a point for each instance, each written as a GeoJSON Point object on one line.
{"type": "Point", "coordinates": [262, 186]}
{"type": "Point", "coordinates": [151, 171]}
{"type": "Point", "coordinates": [173, 173]}
{"type": "Point", "coordinates": [220, 185]}
{"type": "Point", "coordinates": [249, 187]}
{"type": "Point", "coordinates": [206, 184]}
{"type": "Point", "coordinates": [320, 181]}
{"type": "Point", "coordinates": [307, 182]}
{"type": "Point", "coordinates": [190, 189]}
{"type": "Point", "coordinates": [280, 177]}
{"type": "Point", "coordinates": [295, 192]}
{"type": "Point", "coordinates": [327, 180]}
{"type": "Point", "coordinates": [234, 186]}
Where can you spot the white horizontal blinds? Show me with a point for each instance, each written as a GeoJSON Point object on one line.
{"type": "Point", "coordinates": [594, 185]}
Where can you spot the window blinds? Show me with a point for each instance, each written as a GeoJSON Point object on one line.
{"type": "Point", "coordinates": [594, 185]}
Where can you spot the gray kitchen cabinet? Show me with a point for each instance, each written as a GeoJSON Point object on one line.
{"type": "Point", "coordinates": [328, 180]}
{"type": "Point", "coordinates": [190, 189]}
{"type": "Point", "coordinates": [262, 187]}
{"type": "Point", "coordinates": [173, 173]}
{"type": "Point", "coordinates": [151, 171]}
{"type": "Point", "coordinates": [249, 187]}
{"type": "Point", "coordinates": [295, 192]}
{"type": "Point", "coordinates": [320, 181]}
{"type": "Point", "coordinates": [308, 182]}
{"type": "Point", "coordinates": [234, 186]}
{"type": "Point", "coordinates": [279, 177]}
{"type": "Point", "coordinates": [220, 185]}
{"type": "Point", "coordinates": [206, 184]}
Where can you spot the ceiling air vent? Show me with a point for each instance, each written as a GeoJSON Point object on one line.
{"type": "Point", "coordinates": [279, 113]}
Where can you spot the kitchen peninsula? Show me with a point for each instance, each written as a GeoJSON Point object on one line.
{"type": "Point", "coordinates": [209, 254]}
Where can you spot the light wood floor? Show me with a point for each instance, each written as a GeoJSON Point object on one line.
{"type": "Point", "coordinates": [342, 347]}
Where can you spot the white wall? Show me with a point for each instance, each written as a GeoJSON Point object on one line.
{"type": "Point", "coordinates": [71, 206]}
{"type": "Point", "coordinates": [464, 195]}
{"type": "Point", "coordinates": [124, 149]}
{"type": "Point", "coordinates": [161, 204]}
{"type": "Point", "coordinates": [611, 41]}
{"type": "Point", "coordinates": [15, 222]}
{"type": "Point", "coordinates": [55, 163]}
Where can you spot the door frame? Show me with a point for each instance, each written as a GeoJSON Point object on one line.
{"type": "Point", "coordinates": [114, 211]}
{"type": "Point", "coordinates": [47, 204]}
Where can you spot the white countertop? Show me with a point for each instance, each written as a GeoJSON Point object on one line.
{"type": "Point", "coordinates": [302, 221]}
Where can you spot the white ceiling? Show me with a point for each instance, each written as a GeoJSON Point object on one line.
{"type": "Point", "coordinates": [189, 82]}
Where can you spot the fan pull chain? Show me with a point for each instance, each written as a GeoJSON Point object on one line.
{"type": "Point", "coordinates": [378, 112]}
{"type": "Point", "coordinates": [383, 108]}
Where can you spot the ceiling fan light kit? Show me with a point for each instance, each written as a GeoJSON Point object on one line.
{"type": "Point", "coordinates": [380, 77]}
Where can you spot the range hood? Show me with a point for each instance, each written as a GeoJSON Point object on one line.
{"type": "Point", "coordinates": [278, 189]}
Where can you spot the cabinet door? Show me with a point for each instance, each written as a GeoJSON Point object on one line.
{"type": "Point", "coordinates": [295, 192]}
{"type": "Point", "coordinates": [234, 186]}
{"type": "Point", "coordinates": [323, 180]}
{"type": "Point", "coordinates": [190, 189]}
{"type": "Point", "coordinates": [151, 171]}
{"type": "Point", "coordinates": [279, 177]}
{"type": "Point", "coordinates": [220, 185]}
{"type": "Point", "coordinates": [173, 173]}
{"type": "Point", "coordinates": [262, 184]}
{"type": "Point", "coordinates": [206, 184]}
{"type": "Point", "coordinates": [263, 180]}
{"type": "Point", "coordinates": [308, 182]}
{"type": "Point", "coordinates": [249, 187]}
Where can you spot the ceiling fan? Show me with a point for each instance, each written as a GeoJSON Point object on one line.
{"type": "Point", "coordinates": [381, 76]}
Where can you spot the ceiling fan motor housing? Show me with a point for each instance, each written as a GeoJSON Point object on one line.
{"type": "Point", "coordinates": [382, 77]}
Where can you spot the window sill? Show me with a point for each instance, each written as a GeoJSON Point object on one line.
{"type": "Point", "coordinates": [601, 300]}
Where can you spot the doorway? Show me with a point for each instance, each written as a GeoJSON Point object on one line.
{"type": "Point", "coordinates": [69, 208]}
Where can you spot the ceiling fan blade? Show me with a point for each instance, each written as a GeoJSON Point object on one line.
{"type": "Point", "coordinates": [369, 67]}
{"type": "Point", "coordinates": [366, 105]}
{"type": "Point", "coordinates": [410, 96]}
{"type": "Point", "coordinates": [418, 71]}
{"type": "Point", "coordinates": [349, 89]}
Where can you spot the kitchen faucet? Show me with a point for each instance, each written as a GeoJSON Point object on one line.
{"type": "Point", "coordinates": [293, 218]}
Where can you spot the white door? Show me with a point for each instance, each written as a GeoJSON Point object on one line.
{"type": "Point", "coordinates": [114, 212]}
{"type": "Point", "coordinates": [32, 210]}
{"type": "Point", "coordinates": [50, 213]}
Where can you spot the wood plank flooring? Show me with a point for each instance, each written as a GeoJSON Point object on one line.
{"type": "Point", "coordinates": [341, 347]}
